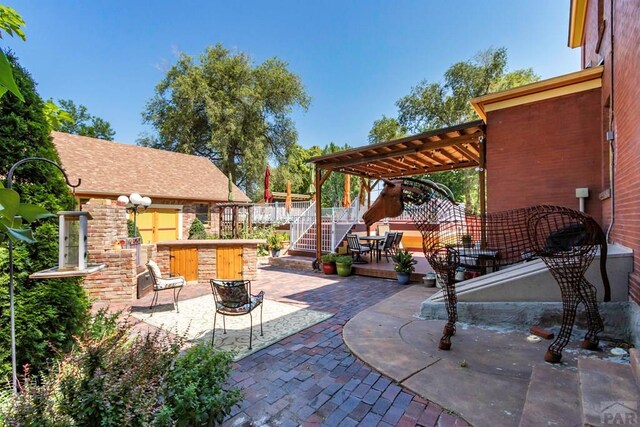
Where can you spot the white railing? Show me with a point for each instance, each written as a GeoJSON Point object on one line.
{"type": "Point", "coordinates": [300, 227]}
{"type": "Point", "coordinates": [276, 213]}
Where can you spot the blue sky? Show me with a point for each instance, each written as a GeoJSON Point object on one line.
{"type": "Point", "coordinates": [355, 58]}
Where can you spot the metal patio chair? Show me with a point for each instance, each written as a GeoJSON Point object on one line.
{"type": "Point", "coordinates": [388, 245]}
{"type": "Point", "coordinates": [161, 284]}
{"type": "Point", "coordinates": [357, 249]}
{"type": "Point", "coordinates": [234, 298]}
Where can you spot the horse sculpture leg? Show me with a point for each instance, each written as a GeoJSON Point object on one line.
{"type": "Point", "coordinates": [451, 301]}
{"type": "Point", "coordinates": [587, 293]}
{"type": "Point", "coordinates": [569, 308]}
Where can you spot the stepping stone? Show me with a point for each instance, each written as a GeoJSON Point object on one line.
{"type": "Point", "coordinates": [553, 398]}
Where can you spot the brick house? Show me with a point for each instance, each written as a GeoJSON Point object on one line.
{"type": "Point", "coordinates": [581, 130]}
{"type": "Point", "coordinates": [181, 187]}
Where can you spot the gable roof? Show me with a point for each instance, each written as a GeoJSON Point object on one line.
{"type": "Point", "coordinates": [112, 169]}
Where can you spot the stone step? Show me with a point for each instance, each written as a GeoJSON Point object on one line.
{"type": "Point", "coordinates": [609, 393]}
{"type": "Point", "coordinates": [553, 398]}
{"type": "Point", "coordinates": [634, 359]}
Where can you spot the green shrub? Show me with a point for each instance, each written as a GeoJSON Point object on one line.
{"type": "Point", "coordinates": [404, 262]}
{"type": "Point", "coordinates": [197, 231]}
{"type": "Point", "coordinates": [344, 259]}
{"type": "Point", "coordinates": [194, 389]}
{"type": "Point", "coordinates": [131, 232]}
{"type": "Point", "coordinates": [330, 257]}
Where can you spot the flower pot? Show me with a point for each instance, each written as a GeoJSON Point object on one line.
{"type": "Point", "coordinates": [329, 267]}
{"type": "Point", "coordinates": [430, 280]}
{"type": "Point", "coordinates": [403, 278]}
{"type": "Point", "coordinates": [275, 253]}
{"type": "Point", "coordinates": [344, 270]}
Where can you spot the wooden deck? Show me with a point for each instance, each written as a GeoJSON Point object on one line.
{"type": "Point", "coordinates": [385, 270]}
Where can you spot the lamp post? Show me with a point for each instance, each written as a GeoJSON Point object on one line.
{"type": "Point", "coordinates": [14, 370]}
{"type": "Point", "coordinates": [136, 201]}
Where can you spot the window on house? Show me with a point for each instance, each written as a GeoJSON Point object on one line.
{"type": "Point", "coordinates": [202, 212]}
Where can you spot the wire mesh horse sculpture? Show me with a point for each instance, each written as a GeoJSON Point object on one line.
{"type": "Point", "coordinates": [565, 239]}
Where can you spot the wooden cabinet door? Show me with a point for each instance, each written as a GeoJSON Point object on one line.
{"type": "Point", "coordinates": [184, 262]}
{"type": "Point", "coordinates": [229, 262]}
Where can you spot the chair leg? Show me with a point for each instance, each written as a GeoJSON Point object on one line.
{"type": "Point", "coordinates": [261, 333]}
{"type": "Point", "coordinates": [250, 329]}
{"type": "Point", "coordinates": [224, 324]}
{"type": "Point", "coordinates": [213, 334]}
{"type": "Point", "coordinates": [176, 297]}
{"type": "Point", "coordinates": [154, 299]}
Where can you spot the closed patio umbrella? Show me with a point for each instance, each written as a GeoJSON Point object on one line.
{"type": "Point", "coordinates": [346, 196]}
{"type": "Point", "coordinates": [287, 201]}
{"type": "Point", "coordinates": [268, 197]}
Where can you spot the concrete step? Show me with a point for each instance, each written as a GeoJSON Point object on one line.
{"type": "Point", "coordinates": [609, 393]}
{"type": "Point", "coordinates": [553, 398]}
{"type": "Point", "coordinates": [634, 359]}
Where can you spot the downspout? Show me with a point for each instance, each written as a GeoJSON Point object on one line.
{"type": "Point", "coordinates": [610, 133]}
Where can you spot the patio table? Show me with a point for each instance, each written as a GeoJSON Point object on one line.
{"type": "Point", "coordinates": [374, 243]}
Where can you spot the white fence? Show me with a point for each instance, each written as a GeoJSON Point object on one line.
{"type": "Point", "coordinates": [276, 213]}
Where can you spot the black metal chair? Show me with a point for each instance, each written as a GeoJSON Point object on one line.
{"type": "Point", "coordinates": [234, 298]}
{"type": "Point", "coordinates": [357, 249]}
{"type": "Point", "coordinates": [388, 245]}
{"type": "Point", "coordinates": [161, 284]}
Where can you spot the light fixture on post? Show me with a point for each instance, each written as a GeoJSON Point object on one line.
{"type": "Point", "coordinates": [75, 243]}
{"type": "Point", "coordinates": [133, 203]}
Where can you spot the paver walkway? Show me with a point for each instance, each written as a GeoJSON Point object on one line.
{"type": "Point", "coordinates": [311, 378]}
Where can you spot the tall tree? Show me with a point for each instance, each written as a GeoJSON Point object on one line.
{"type": "Point", "coordinates": [48, 312]}
{"type": "Point", "coordinates": [227, 109]}
{"type": "Point", "coordinates": [436, 105]}
{"type": "Point", "coordinates": [295, 169]}
{"type": "Point", "coordinates": [83, 123]}
{"type": "Point", "coordinates": [386, 129]}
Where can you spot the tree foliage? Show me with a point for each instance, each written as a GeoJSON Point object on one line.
{"type": "Point", "coordinates": [82, 123]}
{"type": "Point", "coordinates": [11, 23]}
{"type": "Point", "coordinates": [432, 105]}
{"type": "Point", "coordinates": [227, 109]}
{"type": "Point", "coordinates": [47, 312]}
{"type": "Point", "coordinates": [386, 129]}
{"type": "Point", "coordinates": [295, 169]}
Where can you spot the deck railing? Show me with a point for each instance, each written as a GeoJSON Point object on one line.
{"type": "Point", "coordinates": [276, 213]}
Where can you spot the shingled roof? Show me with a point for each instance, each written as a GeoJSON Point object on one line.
{"type": "Point", "coordinates": [112, 168]}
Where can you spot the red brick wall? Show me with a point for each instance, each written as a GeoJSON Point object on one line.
{"type": "Point", "coordinates": [621, 88]}
{"type": "Point", "coordinates": [539, 153]}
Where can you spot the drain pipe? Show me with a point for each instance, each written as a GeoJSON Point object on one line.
{"type": "Point", "coordinates": [610, 132]}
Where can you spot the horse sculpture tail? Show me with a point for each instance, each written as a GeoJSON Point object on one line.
{"type": "Point", "coordinates": [603, 264]}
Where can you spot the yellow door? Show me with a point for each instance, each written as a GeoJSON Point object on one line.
{"type": "Point", "coordinates": [184, 262]}
{"type": "Point", "coordinates": [229, 262]}
{"type": "Point", "coordinates": [157, 225]}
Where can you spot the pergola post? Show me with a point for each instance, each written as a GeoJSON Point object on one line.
{"type": "Point", "coordinates": [319, 180]}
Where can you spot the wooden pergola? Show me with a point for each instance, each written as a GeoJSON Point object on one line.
{"type": "Point", "coordinates": [446, 149]}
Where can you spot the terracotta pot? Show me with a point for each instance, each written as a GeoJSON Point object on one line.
{"type": "Point", "coordinates": [329, 267]}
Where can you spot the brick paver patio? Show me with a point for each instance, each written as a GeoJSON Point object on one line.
{"type": "Point", "coordinates": [311, 378]}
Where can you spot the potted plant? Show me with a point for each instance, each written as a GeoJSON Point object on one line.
{"type": "Point", "coordinates": [404, 265]}
{"type": "Point", "coordinates": [275, 244]}
{"type": "Point", "coordinates": [466, 240]}
{"type": "Point", "coordinates": [329, 263]}
{"type": "Point", "coordinates": [343, 265]}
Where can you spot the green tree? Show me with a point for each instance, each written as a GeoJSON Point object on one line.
{"type": "Point", "coordinates": [227, 109]}
{"type": "Point", "coordinates": [333, 187]}
{"type": "Point", "coordinates": [47, 312]}
{"type": "Point", "coordinates": [386, 129]}
{"type": "Point", "coordinates": [436, 105]}
{"type": "Point", "coordinates": [296, 169]}
{"type": "Point", "coordinates": [83, 123]}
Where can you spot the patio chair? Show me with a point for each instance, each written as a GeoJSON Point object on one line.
{"type": "Point", "coordinates": [161, 284]}
{"type": "Point", "coordinates": [234, 298]}
{"type": "Point", "coordinates": [397, 245]}
{"type": "Point", "coordinates": [388, 245]}
{"type": "Point", "coordinates": [356, 248]}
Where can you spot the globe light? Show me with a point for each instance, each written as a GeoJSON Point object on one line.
{"type": "Point", "coordinates": [146, 202]}
{"type": "Point", "coordinates": [135, 199]}
{"type": "Point", "coordinates": [122, 200]}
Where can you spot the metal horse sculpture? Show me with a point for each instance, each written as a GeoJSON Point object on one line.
{"type": "Point", "coordinates": [565, 239]}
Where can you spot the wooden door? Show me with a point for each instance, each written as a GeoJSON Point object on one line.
{"type": "Point", "coordinates": [157, 225]}
{"type": "Point", "coordinates": [184, 262]}
{"type": "Point", "coordinates": [229, 262]}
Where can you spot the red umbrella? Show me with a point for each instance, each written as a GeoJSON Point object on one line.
{"type": "Point", "coordinates": [287, 201]}
{"type": "Point", "coordinates": [268, 197]}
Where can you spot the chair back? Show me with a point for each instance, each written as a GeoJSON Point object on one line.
{"type": "Point", "coordinates": [398, 240]}
{"type": "Point", "coordinates": [231, 293]}
{"type": "Point", "coordinates": [154, 271]}
{"type": "Point", "coordinates": [389, 241]}
{"type": "Point", "coordinates": [353, 242]}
